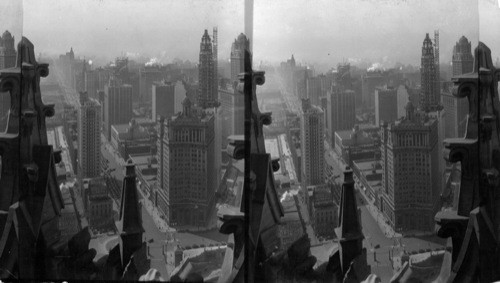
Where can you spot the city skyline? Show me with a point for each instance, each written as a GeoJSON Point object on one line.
{"type": "Point", "coordinates": [137, 170]}
{"type": "Point", "coordinates": [338, 32]}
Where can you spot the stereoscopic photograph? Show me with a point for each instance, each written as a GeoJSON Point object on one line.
{"type": "Point", "coordinates": [250, 141]}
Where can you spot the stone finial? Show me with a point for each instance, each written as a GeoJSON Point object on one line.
{"type": "Point", "coordinates": [349, 231]}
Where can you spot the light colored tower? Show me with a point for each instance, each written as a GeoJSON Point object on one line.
{"type": "Point", "coordinates": [312, 144]}
{"type": "Point", "coordinates": [462, 60]}
{"type": "Point", "coordinates": [238, 57]}
{"type": "Point", "coordinates": [89, 137]}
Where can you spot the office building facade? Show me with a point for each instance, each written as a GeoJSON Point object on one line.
{"type": "Point", "coordinates": [410, 171]}
{"type": "Point", "coordinates": [89, 137]}
{"type": "Point", "coordinates": [186, 175]}
{"type": "Point", "coordinates": [117, 105]}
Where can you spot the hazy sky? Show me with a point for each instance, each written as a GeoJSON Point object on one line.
{"type": "Point", "coordinates": [325, 31]}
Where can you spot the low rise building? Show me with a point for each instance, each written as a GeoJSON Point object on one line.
{"type": "Point", "coordinates": [131, 138]}
{"type": "Point", "coordinates": [146, 169]}
{"type": "Point", "coordinates": [355, 145]}
{"type": "Point", "coordinates": [291, 226]}
{"type": "Point", "coordinates": [324, 212]}
{"type": "Point", "coordinates": [369, 174]}
{"type": "Point", "coordinates": [99, 205]}
{"type": "Point", "coordinates": [68, 222]}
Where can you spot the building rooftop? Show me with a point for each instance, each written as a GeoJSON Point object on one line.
{"type": "Point", "coordinates": [131, 131]}
{"type": "Point", "coordinates": [143, 159]}
{"type": "Point", "coordinates": [367, 165]}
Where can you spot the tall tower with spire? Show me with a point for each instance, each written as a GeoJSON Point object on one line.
{"type": "Point", "coordinates": [207, 87]}
{"type": "Point", "coordinates": [429, 97]}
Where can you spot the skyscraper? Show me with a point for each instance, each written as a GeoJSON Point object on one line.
{"type": "Point", "coordinates": [410, 166]}
{"type": "Point", "coordinates": [167, 99]}
{"type": "Point", "coordinates": [89, 137]}
{"type": "Point", "coordinates": [314, 90]}
{"type": "Point", "coordinates": [7, 60]}
{"type": "Point", "coordinates": [341, 111]}
{"type": "Point", "coordinates": [429, 95]}
{"type": "Point", "coordinates": [232, 112]}
{"type": "Point", "coordinates": [462, 60]}
{"type": "Point", "coordinates": [91, 82]}
{"type": "Point", "coordinates": [7, 51]}
{"type": "Point", "coordinates": [457, 108]}
{"type": "Point", "coordinates": [237, 56]}
{"type": "Point", "coordinates": [208, 86]}
{"type": "Point", "coordinates": [186, 173]}
{"type": "Point", "coordinates": [117, 105]}
{"type": "Point", "coordinates": [386, 105]}
{"type": "Point", "coordinates": [312, 144]}
{"type": "Point", "coordinates": [147, 76]}
{"type": "Point", "coordinates": [369, 82]}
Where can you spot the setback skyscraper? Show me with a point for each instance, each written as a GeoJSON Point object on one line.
{"type": "Point", "coordinates": [456, 108]}
{"type": "Point", "coordinates": [462, 60]}
{"type": "Point", "coordinates": [237, 57]}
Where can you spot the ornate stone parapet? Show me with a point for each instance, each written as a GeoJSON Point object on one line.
{"type": "Point", "coordinates": [236, 147]}
{"type": "Point", "coordinates": [475, 226]}
{"type": "Point", "coordinates": [465, 151]}
{"type": "Point", "coordinates": [451, 225]}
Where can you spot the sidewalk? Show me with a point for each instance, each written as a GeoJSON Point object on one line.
{"type": "Point", "coordinates": [155, 214]}
{"type": "Point", "coordinates": [378, 216]}
{"type": "Point", "coordinates": [340, 163]}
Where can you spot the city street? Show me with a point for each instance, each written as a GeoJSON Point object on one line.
{"type": "Point", "coordinates": [380, 242]}
{"type": "Point", "coordinates": [151, 232]}
{"type": "Point", "coordinates": [301, 202]}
